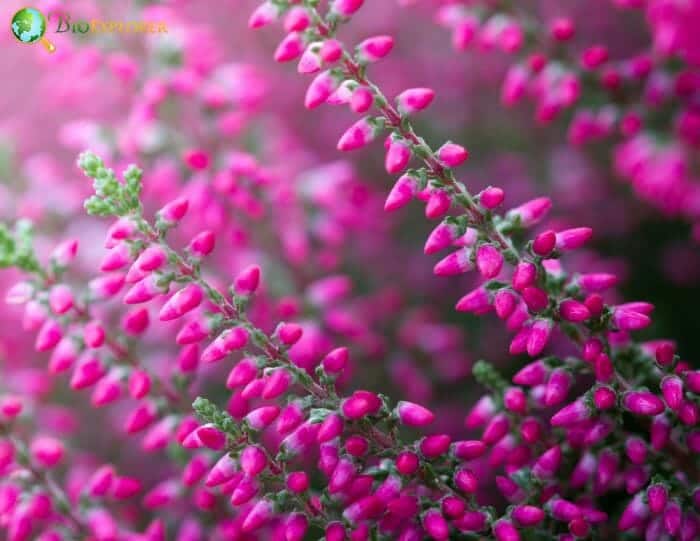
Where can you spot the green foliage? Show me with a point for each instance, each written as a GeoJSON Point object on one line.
{"type": "Point", "coordinates": [112, 198]}
{"type": "Point", "coordinates": [17, 247]}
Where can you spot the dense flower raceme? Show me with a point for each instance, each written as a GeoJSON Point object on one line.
{"type": "Point", "coordinates": [643, 103]}
{"type": "Point", "coordinates": [539, 297]}
{"type": "Point", "coordinates": [284, 448]}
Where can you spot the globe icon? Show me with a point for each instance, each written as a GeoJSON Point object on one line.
{"type": "Point", "coordinates": [29, 26]}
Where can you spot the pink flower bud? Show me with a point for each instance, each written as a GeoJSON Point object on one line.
{"type": "Point", "coordinates": [105, 287]}
{"type": "Point", "coordinates": [466, 481]}
{"type": "Point", "coordinates": [528, 515]}
{"type": "Point", "coordinates": [594, 56]}
{"type": "Point", "coordinates": [297, 482]}
{"type": "Point", "coordinates": [476, 301]}
{"type": "Point", "coordinates": [205, 436]}
{"type": "Point", "coordinates": [489, 261]}
{"type": "Point", "coordinates": [228, 341]}
{"type": "Point", "coordinates": [411, 414]}
{"type": "Point", "coordinates": [401, 194]}
{"type": "Point", "coordinates": [125, 487]}
{"type": "Point", "coordinates": [671, 517]}
{"type": "Point", "coordinates": [562, 29]}
{"type": "Point", "coordinates": [360, 404]}
{"type": "Point", "coordinates": [504, 530]}
{"type": "Point", "coordinates": [574, 311]}
{"type": "Point", "coordinates": [531, 212]}
{"type": "Point", "coordinates": [196, 159]}
{"type": "Point", "coordinates": [140, 418]}
{"type": "Point", "coordinates": [101, 481]}
{"type": "Point", "coordinates": [548, 463]}
{"type": "Point", "coordinates": [336, 360]}
{"type": "Point", "coordinates": [245, 490]}
{"type": "Point", "coordinates": [263, 15]}
{"type": "Point", "coordinates": [253, 460]}
{"type": "Point", "coordinates": [361, 102]}
{"type": "Point", "coordinates": [496, 429]}
{"type": "Point", "coordinates": [413, 100]}
{"type": "Point", "coordinates": [135, 322]}
{"type": "Point", "coordinates": [331, 428]}
{"type": "Point", "coordinates": [514, 400]}
{"type": "Point", "coordinates": [657, 496]}
{"type": "Point", "coordinates": [524, 276]}
{"type": "Point", "coordinates": [364, 509]}
{"type": "Point", "coordinates": [343, 474]}
{"type": "Point", "coordinates": [116, 258]}
{"type": "Point", "coordinates": [346, 7]}
{"type": "Point", "coordinates": [468, 449]}
{"type": "Point", "coordinates": [65, 253]}
{"type": "Point", "coordinates": [604, 398]}
{"type": "Point", "coordinates": [531, 374]}
{"type": "Point", "coordinates": [202, 244]}
{"type": "Point", "coordinates": [435, 445]}
{"type": "Point", "coordinates": [557, 387]}
{"type": "Point", "coordinates": [145, 290]}
{"type": "Point", "coordinates": [642, 403]}
{"type": "Point", "coordinates": [397, 157]}
{"type": "Point", "coordinates": [297, 19]}
{"type": "Point", "coordinates": [291, 47]}
{"type": "Point", "coordinates": [531, 430]}
{"type": "Point", "coordinates": [320, 89]}
{"type": "Point", "coordinates": [49, 335]}
{"type": "Point", "coordinates": [375, 48]}
{"type": "Point", "coordinates": [174, 211]}
{"type": "Point", "coordinates": [107, 390]}
{"type": "Point", "coordinates": [664, 354]}
{"type": "Point", "coordinates": [672, 390]}
{"type": "Point", "coordinates": [93, 334]}
{"type": "Point", "coordinates": [87, 372]}
{"type": "Point", "coordinates": [443, 236]}
{"type": "Point", "coordinates": [456, 263]}
{"type": "Point", "coordinates": [539, 336]}
{"type": "Point", "coordinates": [436, 526]}
{"type": "Point", "coordinates": [573, 413]}
{"type": "Point", "coordinates": [360, 134]}
{"type": "Point", "coordinates": [407, 463]}
{"type": "Point", "coordinates": [139, 384]}
{"type": "Point", "coordinates": [224, 470]}
{"type": "Point", "coordinates": [295, 527]}
{"type": "Point", "coordinates": [277, 384]}
{"type": "Point", "coordinates": [310, 61]}
{"type": "Point", "coordinates": [544, 243]}
{"type": "Point", "coordinates": [257, 516]}
{"type": "Point", "coordinates": [289, 333]}
{"type": "Point", "coordinates": [504, 302]}
{"type": "Point", "coordinates": [634, 514]}
{"type": "Point", "coordinates": [331, 51]}
{"type": "Point", "coordinates": [452, 155]}
{"type": "Point", "coordinates": [194, 331]}
{"type": "Point", "coordinates": [491, 197]}
{"type": "Point", "coordinates": [185, 300]}
{"type": "Point", "coordinates": [46, 452]}
{"type": "Point", "coordinates": [63, 356]}
{"type": "Point", "coordinates": [570, 239]}
{"type": "Point", "coordinates": [597, 282]}
{"type": "Point", "coordinates": [19, 293]}
{"type": "Point", "coordinates": [438, 204]}
{"type": "Point", "coordinates": [247, 281]}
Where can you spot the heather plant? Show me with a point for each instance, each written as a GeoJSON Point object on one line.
{"type": "Point", "coordinates": [637, 100]}
{"type": "Point", "coordinates": [223, 355]}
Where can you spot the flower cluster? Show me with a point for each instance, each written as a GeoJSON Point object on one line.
{"type": "Point", "coordinates": [243, 340]}
{"type": "Point", "coordinates": [640, 102]}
